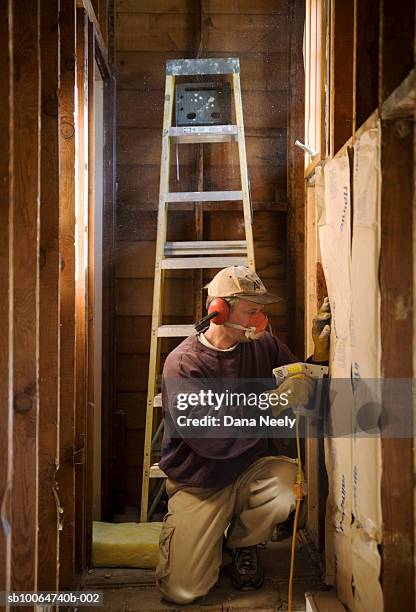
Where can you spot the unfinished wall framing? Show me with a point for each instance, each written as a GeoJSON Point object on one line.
{"type": "Point", "coordinates": [45, 532]}
{"type": "Point", "coordinates": [377, 99]}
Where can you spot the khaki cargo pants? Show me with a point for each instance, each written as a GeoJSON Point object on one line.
{"type": "Point", "coordinates": [190, 545]}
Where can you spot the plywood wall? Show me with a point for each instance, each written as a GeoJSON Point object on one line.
{"type": "Point", "coordinates": [147, 34]}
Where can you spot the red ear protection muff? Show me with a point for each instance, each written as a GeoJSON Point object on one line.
{"type": "Point", "coordinates": [222, 307]}
{"type": "Point", "coordinates": [218, 313]}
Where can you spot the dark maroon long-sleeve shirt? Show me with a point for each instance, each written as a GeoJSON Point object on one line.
{"type": "Point", "coordinates": [211, 462]}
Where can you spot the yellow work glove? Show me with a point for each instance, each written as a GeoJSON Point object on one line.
{"type": "Point", "coordinates": [299, 389]}
{"type": "Point", "coordinates": [321, 330]}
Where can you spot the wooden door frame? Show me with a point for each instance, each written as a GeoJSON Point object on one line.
{"type": "Point", "coordinates": [94, 54]}
{"type": "Point", "coordinates": [108, 336]}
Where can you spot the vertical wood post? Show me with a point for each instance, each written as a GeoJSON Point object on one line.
{"type": "Point", "coordinates": [49, 329]}
{"type": "Point", "coordinates": [66, 472]}
{"type": "Point", "coordinates": [397, 333]}
{"type": "Point", "coordinates": [81, 290]}
{"type": "Point", "coordinates": [296, 192]}
{"type": "Point", "coordinates": [6, 278]}
{"type": "Point", "coordinates": [90, 288]}
{"type": "Point", "coordinates": [25, 292]}
{"type": "Point", "coordinates": [108, 262]}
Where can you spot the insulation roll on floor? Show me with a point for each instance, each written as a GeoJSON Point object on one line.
{"type": "Point", "coordinates": [125, 544]}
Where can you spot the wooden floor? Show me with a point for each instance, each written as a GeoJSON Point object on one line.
{"type": "Point", "coordinates": [132, 589]}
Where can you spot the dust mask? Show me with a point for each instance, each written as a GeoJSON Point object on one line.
{"type": "Point", "coordinates": [257, 324]}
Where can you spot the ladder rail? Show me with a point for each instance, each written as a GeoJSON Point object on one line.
{"type": "Point", "coordinates": [154, 356]}
{"type": "Point", "coordinates": [243, 170]}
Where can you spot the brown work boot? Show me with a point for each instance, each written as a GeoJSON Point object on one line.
{"type": "Point", "coordinates": [247, 572]}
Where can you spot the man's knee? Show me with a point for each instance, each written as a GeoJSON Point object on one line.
{"type": "Point", "coordinates": [177, 593]}
{"type": "Point", "coordinates": [282, 467]}
{"type": "Point", "coordinates": [273, 497]}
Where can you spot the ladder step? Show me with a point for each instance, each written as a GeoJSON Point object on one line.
{"type": "Point", "coordinates": [182, 263]}
{"type": "Point", "coordinates": [203, 196]}
{"type": "Point", "coordinates": [206, 247]}
{"type": "Point", "coordinates": [175, 331]}
{"type": "Point", "coordinates": [156, 472]}
{"type": "Point", "coordinates": [203, 133]}
{"type": "Point", "coordinates": [212, 65]}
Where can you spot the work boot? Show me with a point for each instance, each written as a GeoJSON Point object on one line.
{"type": "Point", "coordinates": [247, 572]}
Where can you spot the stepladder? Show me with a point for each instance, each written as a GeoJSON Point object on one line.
{"type": "Point", "coordinates": [195, 255]}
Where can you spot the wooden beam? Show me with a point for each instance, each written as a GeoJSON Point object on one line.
{"type": "Point", "coordinates": [81, 291]}
{"type": "Point", "coordinates": [366, 59]}
{"type": "Point", "coordinates": [66, 472]}
{"type": "Point", "coordinates": [90, 332]}
{"type": "Point", "coordinates": [198, 27]}
{"type": "Point", "coordinates": [397, 340]}
{"type": "Point", "coordinates": [6, 279]}
{"type": "Point", "coordinates": [341, 96]}
{"type": "Point", "coordinates": [48, 568]}
{"type": "Point", "coordinates": [25, 262]}
{"type": "Point", "coordinates": [108, 282]}
{"type": "Point", "coordinates": [92, 16]}
{"type": "Point", "coordinates": [296, 192]}
{"type": "Point", "coordinates": [396, 45]}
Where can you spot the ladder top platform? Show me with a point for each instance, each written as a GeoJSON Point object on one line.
{"type": "Point", "coordinates": [212, 65]}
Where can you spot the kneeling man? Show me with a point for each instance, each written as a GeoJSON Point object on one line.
{"type": "Point", "coordinates": [237, 485]}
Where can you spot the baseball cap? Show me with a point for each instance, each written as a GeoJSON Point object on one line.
{"type": "Point", "coordinates": [241, 282]}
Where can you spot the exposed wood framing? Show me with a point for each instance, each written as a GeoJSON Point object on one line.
{"type": "Point", "coordinates": [45, 526]}
{"type": "Point", "coordinates": [396, 261]}
{"type": "Point", "coordinates": [25, 292]}
{"type": "Point", "coordinates": [397, 44]}
{"type": "Point", "coordinates": [357, 37]}
{"type": "Point", "coordinates": [311, 254]}
{"type": "Point", "coordinates": [315, 291]}
{"type": "Point", "coordinates": [296, 192]}
{"type": "Point", "coordinates": [49, 323]}
{"type": "Point", "coordinates": [341, 81]}
{"type": "Point", "coordinates": [366, 38]}
{"type": "Point", "coordinates": [66, 472]}
{"type": "Point", "coordinates": [6, 280]}
{"type": "Point", "coordinates": [414, 345]}
{"type": "Point", "coordinates": [396, 82]}
{"type": "Point", "coordinates": [108, 338]}
{"type": "Point", "coordinates": [81, 429]}
{"type": "Point", "coordinates": [315, 47]}
{"type": "Point", "coordinates": [100, 26]}
{"type": "Point", "coordinates": [90, 288]}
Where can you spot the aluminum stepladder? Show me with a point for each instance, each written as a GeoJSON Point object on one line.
{"type": "Point", "coordinates": [191, 254]}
